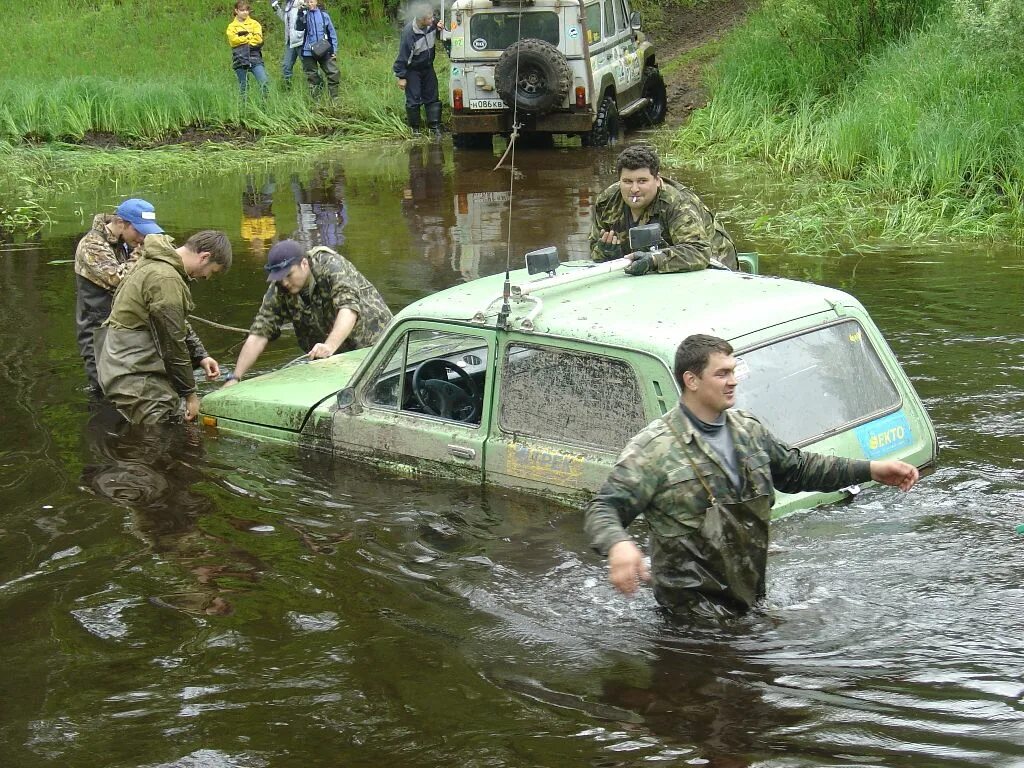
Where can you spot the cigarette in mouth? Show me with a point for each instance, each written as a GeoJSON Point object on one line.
{"type": "Point", "coordinates": [635, 198]}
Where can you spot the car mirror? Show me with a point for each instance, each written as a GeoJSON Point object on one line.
{"type": "Point", "coordinates": [634, 21]}
{"type": "Point", "coordinates": [542, 260]}
{"type": "Point", "coordinates": [346, 397]}
{"type": "Point", "coordinates": [645, 237]}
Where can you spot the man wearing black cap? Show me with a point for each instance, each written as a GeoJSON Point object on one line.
{"type": "Point", "coordinates": [331, 306]}
{"type": "Point", "coordinates": [102, 258]}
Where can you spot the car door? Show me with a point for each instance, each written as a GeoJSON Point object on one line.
{"type": "Point", "coordinates": [406, 410]}
{"type": "Point", "coordinates": [563, 413]}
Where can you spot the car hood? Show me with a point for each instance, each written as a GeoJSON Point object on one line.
{"type": "Point", "coordinates": [283, 399]}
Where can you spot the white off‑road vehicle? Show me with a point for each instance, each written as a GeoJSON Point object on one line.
{"type": "Point", "coordinates": [575, 67]}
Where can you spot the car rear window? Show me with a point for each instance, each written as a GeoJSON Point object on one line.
{"type": "Point", "coordinates": [497, 31]}
{"type": "Point", "coordinates": [827, 380]}
{"type": "Point", "coordinates": [569, 398]}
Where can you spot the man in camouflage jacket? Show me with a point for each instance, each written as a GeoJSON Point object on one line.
{"type": "Point", "coordinates": [331, 305]}
{"type": "Point", "coordinates": [147, 350]}
{"type": "Point", "coordinates": [704, 476]}
{"type": "Point", "coordinates": [691, 234]}
{"type": "Point", "coordinates": [102, 258]}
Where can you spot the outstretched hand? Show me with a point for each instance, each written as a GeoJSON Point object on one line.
{"type": "Point", "coordinates": [898, 474]}
{"type": "Point", "coordinates": [627, 567]}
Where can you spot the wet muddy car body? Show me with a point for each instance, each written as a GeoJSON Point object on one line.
{"type": "Point", "coordinates": [542, 398]}
{"type": "Point", "coordinates": [576, 67]}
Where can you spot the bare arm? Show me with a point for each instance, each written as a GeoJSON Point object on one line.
{"type": "Point", "coordinates": [343, 325]}
{"type": "Point", "coordinates": [251, 349]}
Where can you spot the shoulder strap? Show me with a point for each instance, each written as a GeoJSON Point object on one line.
{"type": "Point", "coordinates": [682, 443]}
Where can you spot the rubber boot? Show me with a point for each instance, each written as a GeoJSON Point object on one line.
{"type": "Point", "coordinates": [434, 118]}
{"type": "Point", "coordinates": [412, 116]}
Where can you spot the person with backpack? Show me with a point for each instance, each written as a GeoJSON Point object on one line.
{"type": "Point", "coordinates": [319, 48]}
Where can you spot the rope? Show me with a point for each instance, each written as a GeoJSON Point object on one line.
{"type": "Point", "coordinates": [219, 325]}
{"type": "Point", "coordinates": [223, 327]}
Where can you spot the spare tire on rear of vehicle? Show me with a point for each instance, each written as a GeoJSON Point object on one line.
{"type": "Point", "coordinates": [543, 80]}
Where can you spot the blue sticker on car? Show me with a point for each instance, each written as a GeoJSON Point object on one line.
{"type": "Point", "coordinates": [884, 436]}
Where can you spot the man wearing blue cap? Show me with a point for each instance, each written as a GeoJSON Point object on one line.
{"type": "Point", "coordinates": [330, 304]}
{"type": "Point", "coordinates": [102, 258]}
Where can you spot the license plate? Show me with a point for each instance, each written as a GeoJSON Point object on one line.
{"type": "Point", "coordinates": [486, 104]}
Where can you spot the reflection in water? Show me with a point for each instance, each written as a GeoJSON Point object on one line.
{"type": "Point", "coordinates": [258, 225]}
{"type": "Point", "coordinates": [150, 471]}
{"type": "Point", "coordinates": [428, 221]}
{"type": "Point", "coordinates": [371, 619]}
{"type": "Point", "coordinates": [320, 207]}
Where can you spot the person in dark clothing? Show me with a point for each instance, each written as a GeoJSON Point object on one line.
{"type": "Point", "coordinates": [319, 48]}
{"type": "Point", "coordinates": [102, 259]}
{"type": "Point", "coordinates": [414, 68]}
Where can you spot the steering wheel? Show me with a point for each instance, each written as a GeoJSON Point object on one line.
{"type": "Point", "coordinates": [439, 397]}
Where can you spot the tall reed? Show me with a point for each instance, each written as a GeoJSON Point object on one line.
{"type": "Point", "coordinates": [919, 138]}
{"type": "Point", "coordinates": [142, 70]}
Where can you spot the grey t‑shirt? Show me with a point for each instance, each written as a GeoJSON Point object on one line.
{"type": "Point", "coordinates": [718, 437]}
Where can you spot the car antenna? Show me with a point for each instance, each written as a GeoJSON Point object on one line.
{"type": "Point", "coordinates": [506, 289]}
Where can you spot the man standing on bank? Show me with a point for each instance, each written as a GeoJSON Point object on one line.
{"type": "Point", "coordinates": [331, 306]}
{"type": "Point", "coordinates": [147, 350]}
{"type": "Point", "coordinates": [691, 234]}
{"type": "Point", "coordinates": [319, 48]}
{"type": "Point", "coordinates": [102, 259]}
{"type": "Point", "coordinates": [704, 477]}
{"type": "Point", "coordinates": [414, 68]}
{"type": "Point", "coordinates": [288, 12]}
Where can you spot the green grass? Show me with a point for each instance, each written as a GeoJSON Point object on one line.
{"type": "Point", "coordinates": [923, 138]}
{"type": "Point", "coordinates": [142, 71]}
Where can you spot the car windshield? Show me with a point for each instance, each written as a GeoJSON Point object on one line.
{"type": "Point", "coordinates": [823, 381]}
{"type": "Point", "coordinates": [497, 31]}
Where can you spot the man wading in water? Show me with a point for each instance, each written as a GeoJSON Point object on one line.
{"type": "Point", "coordinates": [330, 304]}
{"type": "Point", "coordinates": [146, 350]}
{"type": "Point", "coordinates": [704, 477]}
{"type": "Point", "coordinates": [102, 259]}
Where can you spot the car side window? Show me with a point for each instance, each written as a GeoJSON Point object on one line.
{"type": "Point", "coordinates": [569, 397]}
{"type": "Point", "coordinates": [433, 373]}
{"type": "Point", "coordinates": [609, 18]}
{"type": "Point", "coordinates": [594, 23]}
{"type": "Point", "coordinates": [621, 20]}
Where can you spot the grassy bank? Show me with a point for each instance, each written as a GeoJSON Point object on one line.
{"type": "Point", "coordinates": [913, 130]}
{"type": "Point", "coordinates": [142, 70]}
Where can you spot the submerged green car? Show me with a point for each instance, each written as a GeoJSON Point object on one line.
{"type": "Point", "coordinates": [540, 392]}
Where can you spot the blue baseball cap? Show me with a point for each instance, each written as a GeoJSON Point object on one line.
{"type": "Point", "coordinates": [281, 258]}
{"type": "Point", "coordinates": [140, 214]}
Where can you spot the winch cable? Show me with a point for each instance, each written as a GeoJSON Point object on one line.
{"type": "Point", "coordinates": [515, 109]}
{"type": "Point", "coordinates": [506, 309]}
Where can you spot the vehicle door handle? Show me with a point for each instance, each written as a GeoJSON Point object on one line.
{"type": "Point", "coordinates": [461, 452]}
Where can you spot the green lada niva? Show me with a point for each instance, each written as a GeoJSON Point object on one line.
{"type": "Point", "coordinates": [541, 390]}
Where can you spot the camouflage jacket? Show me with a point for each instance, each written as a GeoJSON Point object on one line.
{"type": "Point", "coordinates": [155, 296]}
{"type": "Point", "coordinates": [654, 477]}
{"type": "Point", "coordinates": [690, 233]}
{"type": "Point", "coordinates": [100, 257]}
{"type": "Point", "coordinates": [335, 285]}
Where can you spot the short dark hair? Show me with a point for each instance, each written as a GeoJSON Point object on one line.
{"type": "Point", "coordinates": [243, 5]}
{"type": "Point", "coordinates": [636, 157]}
{"type": "Point", "coordinates": [694, 351]}
{"type": "Point", "coordinates": [213, 242]}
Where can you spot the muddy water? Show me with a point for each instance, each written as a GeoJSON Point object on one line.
{"type": "Point", "coordinates": [195, 601]}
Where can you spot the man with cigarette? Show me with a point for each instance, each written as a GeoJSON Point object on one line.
{"type": "Point", "coordinates": [691, 234]}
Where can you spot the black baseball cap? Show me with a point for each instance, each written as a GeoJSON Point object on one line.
{"type": "Point", "coordinates": [281, 258]}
